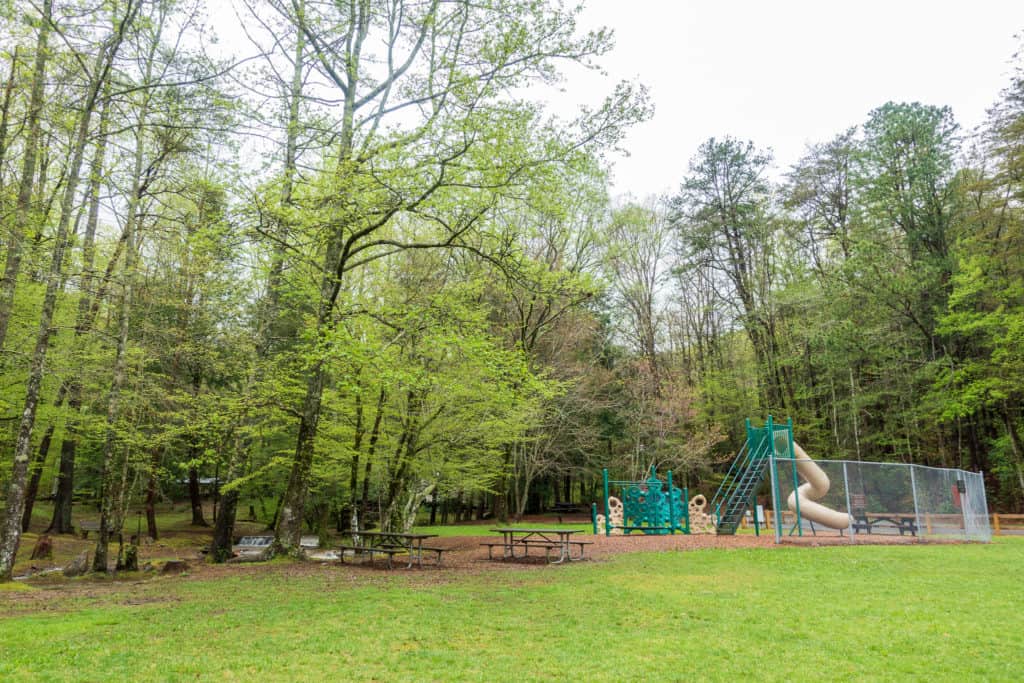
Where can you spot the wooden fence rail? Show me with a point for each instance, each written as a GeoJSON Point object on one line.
{"type": "Point", "coordinates": [1002, 524]}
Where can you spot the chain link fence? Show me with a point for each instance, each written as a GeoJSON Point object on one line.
{"type": "Point", "coordinates": [863, 499]}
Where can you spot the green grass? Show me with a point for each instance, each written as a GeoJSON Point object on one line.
{"type": "Point", "coordinates": [833, 613]}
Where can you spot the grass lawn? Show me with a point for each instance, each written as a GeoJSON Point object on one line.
{"type": "Point", "coordinates": [831, 613]}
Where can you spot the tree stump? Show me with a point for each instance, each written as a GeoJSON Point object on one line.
{"type": "Point", "coordinates": [78, 566]}
{"type": "Point", "coordinates": [174, 567]}
{"type": "Point", "coordinates": [43, 549]}
{"type": "Point", "coordinates": [131, 558]}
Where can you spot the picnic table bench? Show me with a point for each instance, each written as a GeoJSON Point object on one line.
{"type": "Point", "coordinates": [371, 551]}
{"type": "Point", "coordinates": [904, 525]}
{"type": "Point", "coordinates": [561, 509]}
{"type": "Point", "coordinates": [390, 544]}
{"type": "Point", "coordinates": [515, 539]}
{"type": "Point", "coordinates": [862, 521]}
{"type": "Point", "coordinates": [85, 527]}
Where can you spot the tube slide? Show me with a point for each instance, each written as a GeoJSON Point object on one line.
{"type": "Point", "coordinates": [816, 487]}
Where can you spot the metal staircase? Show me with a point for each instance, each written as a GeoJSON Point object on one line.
{"type": "Point", "coordinates": [735, 494]}
{"type": "Point", "coordinates": [747, 472]}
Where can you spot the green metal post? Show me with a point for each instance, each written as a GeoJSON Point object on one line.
{"type": "Point", "coordinates": [671, 508]}
{"type": "Point", "coordinates": [593, 516]}
{"type": "Point", "coordinates": [607, 516]}
{"type": "Point", "coordinates": [686, 507]}
{"type": "Point", "coordinates": [757, 528]}
{"type": "Point", "coordinates": [796, 479]}
{"type": "Point", "coordinates": [776, 494]}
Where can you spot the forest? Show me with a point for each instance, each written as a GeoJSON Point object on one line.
{"type": "Point", "coordinates": [351, 271]}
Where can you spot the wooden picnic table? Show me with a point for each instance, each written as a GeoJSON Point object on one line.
{"type": "Point", "coordinates": [393, 543]}
{"type": "Point", "coordinates": [524, 538]}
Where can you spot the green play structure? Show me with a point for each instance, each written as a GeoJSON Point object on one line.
{"type": "Point", "coordinates": [737, 493]}
{"type": "Point", "coordinates": [649, 506]}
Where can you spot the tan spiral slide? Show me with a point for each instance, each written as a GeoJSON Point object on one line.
{"type": "Point", "coordinates": [815, 487]}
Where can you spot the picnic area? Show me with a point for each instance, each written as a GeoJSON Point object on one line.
{"type": "Point", "coordinates": [530, 618]}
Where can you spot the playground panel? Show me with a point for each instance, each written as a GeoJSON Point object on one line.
{"type": "Point", "coordinates": [649, 506]}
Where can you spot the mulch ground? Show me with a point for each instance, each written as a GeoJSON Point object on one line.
{"type": "Point", "coordinates": [465, 556]}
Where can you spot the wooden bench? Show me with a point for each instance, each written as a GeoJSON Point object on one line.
{"type": "Point", "coordinates": [509, 549]}
{"type": "Point", "coordinates": [368, 550]}
{"type": "Point", "coordinates": [85, 527]}
{"type": "Point", "coordinates": [526, 545]}
{"type": "Point", "coordinates": [437, 551]}
{"type": "Point", "coordinates": [561, 509]}
{"type": "Point", "coordinates": [581, 544]}
{"type": "Point", "coordinates": [491, 546]}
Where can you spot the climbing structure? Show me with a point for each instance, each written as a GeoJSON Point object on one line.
{"type": "Point", "coordinates": [737, 492]}
{"type": "Point", "coordinates": [648, 506]}
{"type": "Point", "coordinates": [701, 521]}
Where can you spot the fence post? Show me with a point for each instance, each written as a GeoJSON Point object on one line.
{"type": "Point", "coordinates": [686, 508]}
{"type": "Point", "coordinates": [757, 528]}
{"type": "Point", "coordinates": [849, 509]}
{"type": "Point", "coordinates": [775, 498]}
{"type": "Point", "coordinates": [671, 507]}
{"type": "Point", "coordinates": [796, 499]}
{"type": "Point", "coordinates": [962, 478]}
{"type": "Point", "coordinates": [995, 524]}
{"type": "Point", "coordinates": [983, 504]}
{"type": "Point", "coordinates": [913, 488]}
{"type": "Point", "coordinates": [607, 516]}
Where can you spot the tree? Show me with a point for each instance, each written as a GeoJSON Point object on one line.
{"type": "Point", "coordinates": [442, 85]}
{"type": "Point", "coordinates": [16, 491]}
{"type": "Point", "coordinates": [723, 215]}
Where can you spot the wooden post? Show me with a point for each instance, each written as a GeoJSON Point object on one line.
{"type": "Point", "coordinates": [928, 523]}
{"type": "Point", "coordinates": [995, 524]}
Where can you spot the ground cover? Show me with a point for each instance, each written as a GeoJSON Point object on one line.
{"type": "Point", "coordinates": [800, 613]}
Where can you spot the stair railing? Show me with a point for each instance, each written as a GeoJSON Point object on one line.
{"type": "Point", "coordinates": [745, 472]}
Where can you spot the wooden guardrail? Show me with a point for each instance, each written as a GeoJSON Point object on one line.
{"type": "Point", "coordinates": [1001, 523]}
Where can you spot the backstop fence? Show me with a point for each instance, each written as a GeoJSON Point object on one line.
{"type": "Point", "coordinates": [853, 498]}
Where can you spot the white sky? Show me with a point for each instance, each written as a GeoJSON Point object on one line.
{"type": "Point", "coordinates": [782, 73]}
{"type": "Point", "coordinates": [787, 73]}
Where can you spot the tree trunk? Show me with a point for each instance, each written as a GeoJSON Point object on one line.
{"type": "Point", "coordinates": [114, 461]}
{"type": "Point", "coordinates": [288, 531]}
{"type": "Point", "coordinates": [112, 457]}
{"type": "Point", "coordinates": [22, 210]}
{"type": "Point", "coordinates": [151, 491]}
{"type": "Point", "coordinates": [61, 521]}
{"type": "Point", "coordinates": [224, 524]}
{"type": "Point", "coordinates": [5, 110]}
{"type": "Point", "coordinates": [194, 498]}
{"type": "Point", "coordinates": [1015, 445]}
{"type": "Point", "coordinates": [37, 473]}
{"type": "Point", "coordinates": [364, 504]}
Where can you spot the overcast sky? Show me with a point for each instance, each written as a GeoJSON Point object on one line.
{"type": "Point", "coordinates": [787, 73]}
